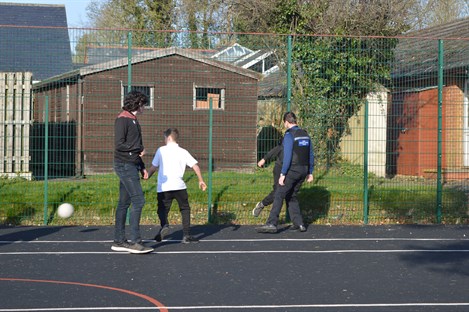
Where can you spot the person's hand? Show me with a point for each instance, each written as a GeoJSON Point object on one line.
{"type": "Point", "coordinates": [261, 162]}
{"type": "Point", "coordinates": [281, 180]}
{"type": "Point", "coordinates": [202, 185]}
{"type": "Point", "coordinates": [145, 174]}
{"type": "Point", "coordinates": [142, 153]}
{"type": "Point", "coordinates": [309, 178]}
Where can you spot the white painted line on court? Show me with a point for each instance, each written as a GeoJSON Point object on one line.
{"type": "Point", "coordinates": [309, 306]}
{"type": "Point", "coordinates": [242, 240]}
{"type": "Point", "coordinates": [331, 239]}
{"type": "Point", "coordinates": [312, 251]}
{"type": "Point", "coordinates": [195, 252]}
{"type": "Point", "coordinates": [82, 309]}
{"type": "Point", "coordinates": [301, 306]}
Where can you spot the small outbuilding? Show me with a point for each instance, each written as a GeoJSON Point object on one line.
{"type": "Point", "coordinates": [413, 131]}
{"type": "Point", "coordinates": [180, 86]}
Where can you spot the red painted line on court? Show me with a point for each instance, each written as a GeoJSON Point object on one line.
{"type": "Point", "coordinates": [129, 292]}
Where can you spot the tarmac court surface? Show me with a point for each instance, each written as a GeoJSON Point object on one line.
{"type": "Point", "coordinates": [234, 268]}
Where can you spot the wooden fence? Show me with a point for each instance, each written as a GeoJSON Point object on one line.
{"type": "Point", "coordinates": [15, 123]}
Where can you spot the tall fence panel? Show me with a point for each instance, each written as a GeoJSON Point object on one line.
{"type": "Point", "coordinates": [15, 123]}
{"type": "Point", "coordinates": [388, 118]}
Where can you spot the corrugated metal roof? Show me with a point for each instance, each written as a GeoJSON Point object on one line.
{"type": "Point", "coordinates": [273, 85]}
{"type": "Point", "coordinates": [417, 54]}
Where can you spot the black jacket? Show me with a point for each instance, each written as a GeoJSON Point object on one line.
{"type": "Point", "coordinates": [128, 139]}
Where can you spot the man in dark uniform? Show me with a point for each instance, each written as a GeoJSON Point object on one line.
{"type": "Point", "coordinates": [297, 166]}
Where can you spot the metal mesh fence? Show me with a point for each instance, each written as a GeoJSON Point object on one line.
{"type": "Point", "coordinates": [388, 117]}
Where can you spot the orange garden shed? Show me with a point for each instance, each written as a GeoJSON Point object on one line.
{"type": "Point", "coordinates": [415, 133]}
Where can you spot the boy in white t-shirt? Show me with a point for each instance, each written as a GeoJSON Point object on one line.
{"type": "Point", "coordinates": [171, 160]}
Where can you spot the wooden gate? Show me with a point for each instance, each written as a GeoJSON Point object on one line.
{"type": "Point", "coordinates": [15, 123]}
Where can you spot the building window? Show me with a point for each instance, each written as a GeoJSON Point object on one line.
{"type": "Point", "coordinates": [202, 96]}
{"type": "Point", "coordinates": [147, 90]}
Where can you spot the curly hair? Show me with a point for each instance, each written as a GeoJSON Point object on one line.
{"type": "Point", "coordinates": [133, 100]}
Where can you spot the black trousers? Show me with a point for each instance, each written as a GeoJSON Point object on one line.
{"type": "Point", "coordinates": [269, 199]}
{"type": "Point", "coordinates": [165, 199]}
{"type": "Point", "coordinates": [288, 192]}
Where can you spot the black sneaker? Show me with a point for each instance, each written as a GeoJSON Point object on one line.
{"type": "Point", "coordinates": [134, 248]}
{"type": "Point", "coordinates": [297, 228]}
{"type": "Point", "coordinates": [258, 209]}
{"type": "Point", "coordinates": [162, 233]}
{"type": "Point", "coordinates": [137, 248]}
{"type": "Point", "coordinates": [189, 240]}
{"type": "Point", "coordinates": [267, 228]}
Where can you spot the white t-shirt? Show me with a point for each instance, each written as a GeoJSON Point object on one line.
{"type": "Point", "coordinates": [171, 161]}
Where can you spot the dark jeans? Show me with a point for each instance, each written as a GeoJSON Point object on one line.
{"type": "Point", "coordinates": [288, 192]}
{"type": "Point", "coordinates": [130, 192]}
{"type": "Point", "coordinates": [269, 199]}
{"type": "Point", "coordinates": [165, 199]}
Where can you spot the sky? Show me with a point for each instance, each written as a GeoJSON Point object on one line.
{"type": "Point", "coordinates": [76, 9]}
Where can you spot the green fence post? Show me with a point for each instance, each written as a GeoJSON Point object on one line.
{"type": "Point", "coordinates": [129, 61]}
{"type": "Point", "coordinates": [289, 57]}
{"type": "Point", "coordinates": [46, 161]}
{"type": "Point", "coordinates": [440, 134]}
{"type": "Point", "coordinates": [129, 84]}
{"type": "Point", "coordinates": [365, 166]}
{"type": "Point", "coordinates": [210, 142]}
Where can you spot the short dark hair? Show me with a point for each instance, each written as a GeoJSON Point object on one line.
{"type": "Point", "coordinates": [290, 117]}
{"type": "Point", "coordinates": [172, 132]}
{"type": "Point", "coordinates": [133, 100]}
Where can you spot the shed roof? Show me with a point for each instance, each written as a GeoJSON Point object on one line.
{"type": "Point", "coordinates": [100, 54]}
{"type": "Point", "coordinates": [417, 53]}
{"type": "Point", "coordinates": [144, 57]}
{"type": "Point", "coordinates": [34, 38]}
{"type": "Point", "coordinates": [273, 85]}
{"type": "Point", "coordinates": [87, 70]}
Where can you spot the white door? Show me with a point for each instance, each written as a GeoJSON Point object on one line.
{"type": "Point", "coordinates": [466, 124]}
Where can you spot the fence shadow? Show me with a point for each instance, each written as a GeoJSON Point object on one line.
{"type": "Point", "coordinates": [218, 217]}
{"type": "Point", "coordinates": [62, 199]}
{"type": "Point", "coordinates": [17, 217]}
{"type": "Point", "coordinates": [314, 203]}
{"type": "Point", "coordinates": [447, 263]}
{"type": "Point", "coordinates": [28, 234]}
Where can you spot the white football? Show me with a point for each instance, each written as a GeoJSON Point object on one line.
{"type": "Point", "coordinates": [65, 210]}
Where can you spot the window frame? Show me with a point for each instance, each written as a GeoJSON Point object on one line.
{"type": "Point", "coordinates": [151, 94]}
{"type": "Point", "coordinates": [220, 88]}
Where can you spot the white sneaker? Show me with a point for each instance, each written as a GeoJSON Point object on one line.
{"type": "Point", "coordinates": [258, 209]}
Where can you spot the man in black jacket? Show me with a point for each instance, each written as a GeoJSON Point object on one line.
{"type": "Point", "coordinates": [128, 165]}
{"type": "Point", "coordinates": [297, 166]}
